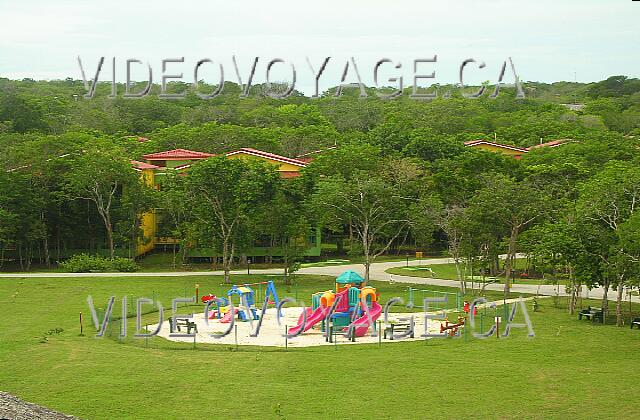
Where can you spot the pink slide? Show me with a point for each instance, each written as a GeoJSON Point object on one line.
{"type": "Point", "coordinates": [375, 312]}
{"type": "Point", "coordinates": [312, 319]}
{"type": "Point", "coordinates": [308, 310]}
{"type": "Point", "coordinates": [227, 317]}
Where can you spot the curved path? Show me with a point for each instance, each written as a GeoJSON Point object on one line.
{"type": "Point", "coordinates": [377, 272]}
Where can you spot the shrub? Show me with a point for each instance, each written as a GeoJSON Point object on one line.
{"type": "Point", "coordinates": [124, 265]}
{"type": "Point", "coordinates": [85, 263]}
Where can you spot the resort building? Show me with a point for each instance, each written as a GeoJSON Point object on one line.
{"type": "Point", "coordinates": [509, 150]}
{"type": "Point", "coordinates": [156, 165]}
{"type": "Point", "coordinates": [490, 146]}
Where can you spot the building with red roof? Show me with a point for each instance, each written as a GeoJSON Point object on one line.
{"type": "Point", "coordinates": [509, 150]}
{"type": "Point", "coordinates": [491, 146]}
{"type": "Point", "coordinates": [158, 164]}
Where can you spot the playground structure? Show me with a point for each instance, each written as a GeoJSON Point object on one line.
{"type": "Point", "coordinates": [467, 308]}
{"type": "Point", "coordinates": [452, 328]}
{"type": "Point", "coordinates": [346, 314]}
{"type": "Point", "coordinates": [454, 300]}
{"type": "Point", "coordinates": [351, 301]}
{"type": "Point", "coordinates": [245, 309]}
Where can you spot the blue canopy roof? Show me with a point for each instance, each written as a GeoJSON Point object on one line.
{"type": "Point", "coordinates": [349, 276]}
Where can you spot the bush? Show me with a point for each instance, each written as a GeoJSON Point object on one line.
{"type": "Point", "coordinates": [124, 265]}
{"type": "Point", "coordinates": [85, 263]}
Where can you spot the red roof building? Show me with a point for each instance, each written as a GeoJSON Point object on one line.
{"type": "Point", "coordinates": [553, 143]}
{"type": "Point", "coordinates": [309, 156]}
{"type": "Point", "coordinates": [178, 154]}
{"type": "Point", "coordinates": [269, 156]}
{"type": "Point", "coordinates": [141, 166]}
{"type": "Point", "coordinates": [490, 146]}
{"type": "Point", "coordinates": [181, 159]}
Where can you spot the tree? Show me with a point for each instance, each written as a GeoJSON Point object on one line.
{"type": "Point", "coordinates": [608, 200]}
{"type": "Point", "coordinates": [8, 215]}
{"type": "Point", "coordinates": [228, 197]}
{"type": "Point", "coordinates": [287, 225]}
{"type": "Point", "coordinates": [560, 242]}
{"type": "Point", "coordinates": [454, 223]}
{"type": "Point", "coordinates": [101, 175]}
{"type": "Point", "coordinates": [512, 206]}
{"type": "Point", "coordinates": [373, 203]}
{"type": "Point", "coordinates": [173, 212]}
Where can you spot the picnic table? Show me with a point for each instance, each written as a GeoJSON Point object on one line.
{"type": "Point", "coordinates": [183, 322]}
{"type": "Point", "coordinates": [398, 327]}
{"type": "Point", "coordinates": [635, 321]}
{"type": "Point", "coordinates": [592, 313]}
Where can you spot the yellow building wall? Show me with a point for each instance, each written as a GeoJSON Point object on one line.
{"type": "Point", "coordinates": [148, 226]}
{"type": "Point", "coordinates": [282, 166]}
{"type": "Point", "coordinates": [148, 220]}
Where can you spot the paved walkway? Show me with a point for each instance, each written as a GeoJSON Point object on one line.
{"type": "Point", "coordinates": [377, 272]}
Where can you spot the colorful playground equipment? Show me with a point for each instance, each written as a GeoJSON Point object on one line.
{"type": "Point", "coordinates": [452, 328]}
{"type": "Point", "coordinates": [467, 307]}
{"type": "Point", "coordinates": [245, 309]}
{"type": "Point", "coordinates": [344, 305]}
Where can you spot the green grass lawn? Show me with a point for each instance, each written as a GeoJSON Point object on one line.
{"type": "Point", "coordinates": [159, 261]}
{"type": "Point", "coordinates": [448, 272]}
{"type": "Point", "coordinates": [570, 368]}
{"type": "Point", "coordinates": [163, 262]}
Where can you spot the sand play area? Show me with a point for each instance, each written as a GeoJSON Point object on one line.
{"type": "Point", "coordinates": [271, 333]}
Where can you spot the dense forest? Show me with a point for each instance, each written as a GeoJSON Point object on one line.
{"type": "Point", "coordinates": [392, 173]}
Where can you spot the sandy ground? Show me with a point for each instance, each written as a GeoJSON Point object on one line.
{"type": "Point", "coordinates": [271, 333]}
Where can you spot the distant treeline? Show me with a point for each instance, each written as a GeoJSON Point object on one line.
{"type": "Point", "coordinates": [301, 124]}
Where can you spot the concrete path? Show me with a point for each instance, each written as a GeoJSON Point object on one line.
{"type": "Point", "coordinates": [377, 272]}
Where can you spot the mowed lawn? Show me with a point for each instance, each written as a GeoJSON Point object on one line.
{"type": "Point", "coordinates": [570, 368]}
{"type": "Point", "coordinates": [448, 272]}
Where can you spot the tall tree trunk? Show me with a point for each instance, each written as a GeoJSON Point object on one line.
{"type": "Point", "coordinates": [495, 265]}
{"type": "Point", "coordinates": [286, 270]}
{"type": "Point", "coordinates": [350, 236]}
{"type": "Point", "coordinates": [367, 267]}
{"type": "Point", "coordinates": [575, 287]}
{"type": "Point", "coordinates": [183, 249]}
{"type": "Point", "coordinates": [175, 256]}
{"type": "Point", "coordinates": [106, 218]}
{"type": "Point", "coordinates": [29, 252]}
{"type": "Point", "coordinates": [367, 251]}
{"type": "Point", "coordinates": [110, 240]}
{"type": "Point", "coordinates": [45, 241]}
{"type": "Point", "coordinates": [58, 236]}
{"type": "Point", "coordinates": [340, 245]}
{"type": "Point", "coordinates": [605, 300]}
{"type": "Point", "coordinates": [619, 291]}
{"type": "Point", "coordinates": [45, 245]}
{"type": "Point", "coordinates": [226, 263]}
{"type": "Point", "coordinates": [510, 258]}
{"type": "Point", "coordinates": [463, 283]}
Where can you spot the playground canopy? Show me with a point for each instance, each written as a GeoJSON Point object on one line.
{"type": "Point", "coordinates": [349, 276]}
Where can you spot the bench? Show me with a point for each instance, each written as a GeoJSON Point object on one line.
{"type": "Point", "coordinates": [592, 314]}
{"type": "Point", "coordinates": [399, 327]}
{"type": "Point", "coordinates": [635, 321]}
{"type": "Point", "coordinates": [183, 322]}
